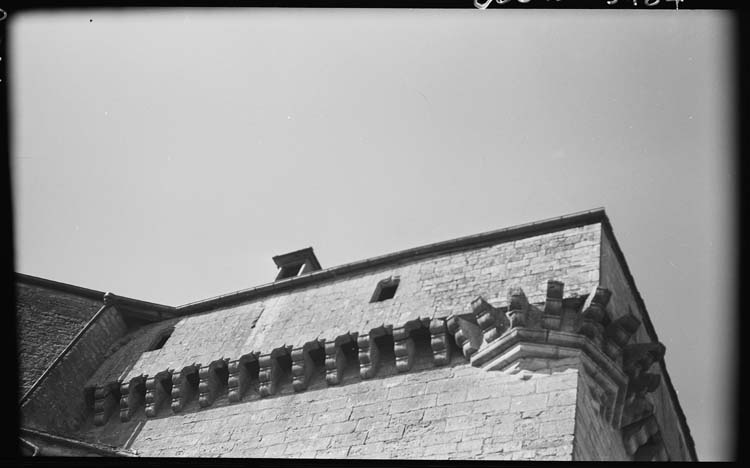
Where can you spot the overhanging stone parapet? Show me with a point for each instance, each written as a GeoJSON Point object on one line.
{"type": "Point", "coordinates": [523, 349]}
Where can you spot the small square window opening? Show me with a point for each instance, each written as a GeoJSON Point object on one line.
{"type": "Point", "coordinates": [385, 290]}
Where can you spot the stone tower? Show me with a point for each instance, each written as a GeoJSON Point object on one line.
{"type": "Point", "coordinates": [526, 343]}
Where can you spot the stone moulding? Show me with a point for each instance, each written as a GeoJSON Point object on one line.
{"type": "Point", "coordinates": [531, 347]}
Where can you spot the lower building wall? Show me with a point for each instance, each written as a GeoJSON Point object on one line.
{"type": "Point", "coordinates": [457, 412]}
{"type": "Point", "coordinates": [47, 321]}
{"type": "Point", "coordinates": [58, 403]}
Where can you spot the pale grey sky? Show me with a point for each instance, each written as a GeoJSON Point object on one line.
{"type": "Point", "coordinates": [166, 155]}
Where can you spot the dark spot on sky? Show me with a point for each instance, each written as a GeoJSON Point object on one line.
{"type": "Point", "coordinates": [91, 20]}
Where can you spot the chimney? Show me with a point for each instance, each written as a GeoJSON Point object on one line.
{"type": "Point", "coordinates": [296, 263]}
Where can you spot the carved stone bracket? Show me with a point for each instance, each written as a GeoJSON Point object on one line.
{"type": "Point", "coordinates": [553, 304]}
{"type": "Point", "coordinates": [270, 371]}
{"type": "Point", "coordinates": [239, 376]}
{"type": "Point", "coordinates": [466, 332]}
{"type": "Point", "coordinates": [105, 402]}
{"type": "Point", "coordinates": [639, 357]}
{"type": "Point", "coordinates": [403, 345]}
{"type": "Point", "coordinates": [486, 319]}
{"type": "Point", "coordinates": [622, 329]}
{"type": "Point", "coordinates": [182, 390]}
{"type": "Point", "coordinates": [369, 354]}
{"type": "Point", "coordinates": [335, 359]}
{"type": "Point", "coordinates": [441, 350]}
{"type": "Point", "coordinates": [653, 450]}
{"type": "Point", "coordinates": [211, 382]}
{"type": "Point", "coordinates": [639, 433]}
{"type": "Point", "coordinates": [156, 392]}
{"type": "Point", "coordinates": [132, 395]}
{"type": "Point", "coordinates": [303, 366]}
{"type": "Point", "coordinates": [518, 307]}
{"type": "Point", "coordinates": [594, 317]}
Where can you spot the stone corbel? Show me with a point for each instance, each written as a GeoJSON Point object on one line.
{"type": "Point", "coordinates": [638, 434]}
{"type": "Point", "coordinates": [441, 350]}
{"type": "Point", "coordinates": [132, 395]}
{"type": "Point", "coordinates": [303, 366]}
{"type": "Point", "coordinates": [553, 304]}
{"type": "Point", "coordinates": [211, 383]}
{"type": "Point", "coordinates": [239, 376]}
{"type": "Point", "coordinates": [182, 390]}
{"type": "Point", "coordinates": [638, 358]}
{"type": "Point", "coordinates": [335, 359]}
{"type": "Point", "coordinates": [622, 329]}
{"type": "Point", "coordinates": [105, 402]}
{"type": "Point", "coordinates": [486, 319]}
{"type": "Point", "coordinates": [157, 392]}
{"type": "Point", "coordinates": [466, 333]}
{"type": "Point", "coordinates": [403, 345]}
{"type": "Point", "coordinates": [594, 315]}
{"type": "Point", "coordinates": [369, 354]}
{"type": "Point", "coordinates": [518, 306]}
{"type": "Point", "coordinates": [654, 450]}
{"type": "Point", "coordinates": [270, 371]}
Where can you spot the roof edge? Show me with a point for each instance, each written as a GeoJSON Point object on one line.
{"type": "Point", "coordinates": [461, 243]}
{"type": "Point", "coordinates": [58, 286]}
{"type": "Point", "coordinates": [651, 331]}
{"type": "Point", "coordinates": [74, 443]}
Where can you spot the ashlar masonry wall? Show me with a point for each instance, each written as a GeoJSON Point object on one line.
{"type": "Point", "coordinates": [455, 412]}
{"type": "Point", "coordinates": [430, 287]}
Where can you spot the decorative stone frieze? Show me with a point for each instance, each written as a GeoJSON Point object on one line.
{"type": "Point", "coordinates": [441, 350]}
{"type": "Point", "coordinates": [184, 386]}
{"type": "Point", "coordinates": [158, 390]}
{"type": "Point", "coordinates": [369, 354]}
